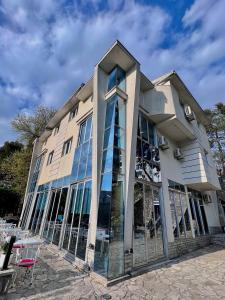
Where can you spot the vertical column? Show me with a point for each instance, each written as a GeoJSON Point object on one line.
{"type": "Point", "coordinates": [99, 90]}
{"type": "Point", "coordinates": [132, 109]}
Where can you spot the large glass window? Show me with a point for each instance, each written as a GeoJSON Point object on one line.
{"type": "Point", "coordinates": [147, 154]}
{"type": "Point", "coordinates": [38, 212]}
{"type": "Point", "coordinates": [77, 222]}
{"type": "Point", "coordinates": [117, 77]}
{"type": "Point", "coordinates": [147, 237]}
{"type": "Point", "coordinates": [82, 164]}
{"type": "Point", "coordinates": [55, 215]}
{"type": "Point", "coordinates": [199, 219]}
{"type": "Point", "coordinates": [35, 174]}
{"type": "Point", "coordinates": [179, 210]}
{"type": "Point", "coordinates": [109, 247]}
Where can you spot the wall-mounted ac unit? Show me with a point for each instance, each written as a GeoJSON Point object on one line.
{"type": "Point", "coordinates": [207, 199]}
{"type": "Point", "coordinates": [163, 143]}
{"type": "Point", "coordinates": [189, 114]}
{"type": "Point", "coordinates": [178, 153]}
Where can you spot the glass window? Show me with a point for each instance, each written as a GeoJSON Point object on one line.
{"type": "Point", "coordinates": [59, 217]}
{"type": "Point", "coordinates": [50, 158]}
{"type": "Point", "coordinates": [76, 219]}
{"type": "Point", "coordinates": [84, 222]}
{"type": "Point", "coordinates": [147, 154]}
{"type": "Point", "coordinates": [67, 147]}
{"type": "Point", "coordinates": [73, 112]}
{"type": "Point", "coordinates": [56, 130]}
{"type": "Point", "coordinates": [82, 162]}
{"type": "Point", "coordinates": [69, 218]}
{"type": "Point", "coordinates": [109, 246]}
{"type": "Point", "coordinates": [117, 78]}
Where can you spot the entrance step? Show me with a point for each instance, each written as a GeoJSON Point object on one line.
{"type": "Point", "coordinates": [218, 239]}
{"type": "Point", "coordinates": [148, 268]}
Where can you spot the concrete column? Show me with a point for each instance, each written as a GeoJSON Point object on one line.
{"type": "Point", "coordinates": [132, 109]}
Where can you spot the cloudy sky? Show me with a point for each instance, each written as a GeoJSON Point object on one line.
{"type": "Point", "coordinates": [48, 47]}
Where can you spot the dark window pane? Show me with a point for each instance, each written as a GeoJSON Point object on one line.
{"type": "Point", "coordinates": [59, 217]}
{"type": "Point", "coordinates": [107, 160]}
{"type": "Point", "coordinates": [144, 128]}
{"type": "Point", "coordinates": [81, 133]}
{"type": "Point", "coordinates": [88, 129]}
{"type": "Point", "coordinates": [89, 161]}
{"type": "Point", "coordinates": [110, 113]}
{"type": "Point", "coordinates": [112, 79]}
{"type": "Point", "coordinates": [84, 222]}
{"type": "Point", "coordinates": [76, 218]}
{"type": "Point", "coordinates": [83, 161]}
{"type": "Point", "coordinates": [69, 218]}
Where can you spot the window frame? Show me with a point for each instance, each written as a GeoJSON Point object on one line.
{"type": "Point", "coordinates": [49, 160]}
{"type": "Point", "coordinates": [56, 129]}
{"type": "Point", "coordinates": [65, 149]}
{"type": "Point", "coordinates": [73, 112]}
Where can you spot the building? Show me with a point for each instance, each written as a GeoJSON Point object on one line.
{"type": "Point", "coordinates": [123, 175]}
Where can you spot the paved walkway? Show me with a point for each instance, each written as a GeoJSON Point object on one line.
{"type": "Point", "coordinates": [195, 276]}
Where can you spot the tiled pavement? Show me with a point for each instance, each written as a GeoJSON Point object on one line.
{"type": "Point", "coordinates": [195, 276]}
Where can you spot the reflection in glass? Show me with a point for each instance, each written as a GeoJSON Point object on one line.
{"type": "Point", "coordinates": [50, 208]}
{"type": "Point", "coordinates": [53, 216]}
{"type": "Point", "coordinates": [69, 218]}
{"type": "Point", "coordinates": [139, 225]}
{"type": "Point", "coordinates": [117, 78]}
{"type": "Point", "coordinates": [76, 218]}
{"type": "Point", "coordinates": [109, 248]}
{"type": "Point", "coordinates": [147, 154]}
{"type": "Point", "coordinates": [59, 217]}
{"type": "Point", "coordinates": [84, 222]}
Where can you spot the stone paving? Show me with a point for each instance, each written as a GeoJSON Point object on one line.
{"type": "Point", "coordinates": [197, 275]}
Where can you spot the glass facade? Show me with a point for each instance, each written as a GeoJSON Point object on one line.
{"type": "Point", "coordinates": [147, 236]}
{"type": "Point", "coordinates": [147, 154]}
{"type": "Point", "coordinates": [179, 210]}
{"type": "Point", "coordinates": [109, 246]}
{"type": "Point", "coordinates": [117, 77]}
{"type": "Point", "coordinates": [38, 212]}
{"type": "Point", "coordinates": [198, 215]}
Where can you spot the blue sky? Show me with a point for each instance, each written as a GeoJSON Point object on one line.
{"type": "Point", "coordinates": [47, 48]}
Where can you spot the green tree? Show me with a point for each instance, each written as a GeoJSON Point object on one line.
{"type": "Point", "coordinates": [8, 148]}
{"type": "Point", "coordinates": [30, 127]}
{"type": "Point", "coordinates": [216, 134]}
{"type": "Point", "coordinates": [15, 157]}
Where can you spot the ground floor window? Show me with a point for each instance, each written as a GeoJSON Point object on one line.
{"type": "Point", "coordinates": [26, 210]}
{"type": "Point", "coordinates": [38, 211]}
{"type": "Point", "coordinates": [77, 220]}
{"type": "Point", "coordinates": [55, 215]}
{"type": "Point", "coordinates": [147, 235]}
{"type": "Point", "coordinates": [179, 210]}
{"type": "Point", "coordinates": [199, 219]}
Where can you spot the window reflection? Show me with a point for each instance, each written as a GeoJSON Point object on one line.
{"type": "Point", "coordinates": [117, 78]}
{"type": "Point", "coordinates": [147, 154]}
{"type": "Point", "coordinates": [179, 210]}
{"type": "Point", "coordinates": [109, 250]}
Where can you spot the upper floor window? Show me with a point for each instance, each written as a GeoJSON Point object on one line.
{"type": "Point", "coordinates": [117, 78]}
{"type": "Point", "coordinates": [73, 113]}
{"type": "Point", "coordinates": [50, 157]}
{"type": "Point", "coordinates": [67, 146]}
{"type": "Point", "coordinates": [56, 130]}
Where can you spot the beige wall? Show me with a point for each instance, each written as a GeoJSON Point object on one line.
{"type": "Point", "coordinates": [62, 165]}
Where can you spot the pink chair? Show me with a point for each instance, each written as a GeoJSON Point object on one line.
{"type": "Point", "coordinates": [26, 257]}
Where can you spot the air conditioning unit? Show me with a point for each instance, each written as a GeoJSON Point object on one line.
{"type": "Point", "coordinates": [163, 143]}
{"type": "Point", "coordinates": [189, 113]}
{"type": "Point", "coordinates": [178, 154]}
{"type": "Point", "coordinates": [207, 199]}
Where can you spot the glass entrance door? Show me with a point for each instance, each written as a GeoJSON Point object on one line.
{"type": "Point", "coordinates": [147, 237]}
{"type": "Point", "coordinates": [77, 222]}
